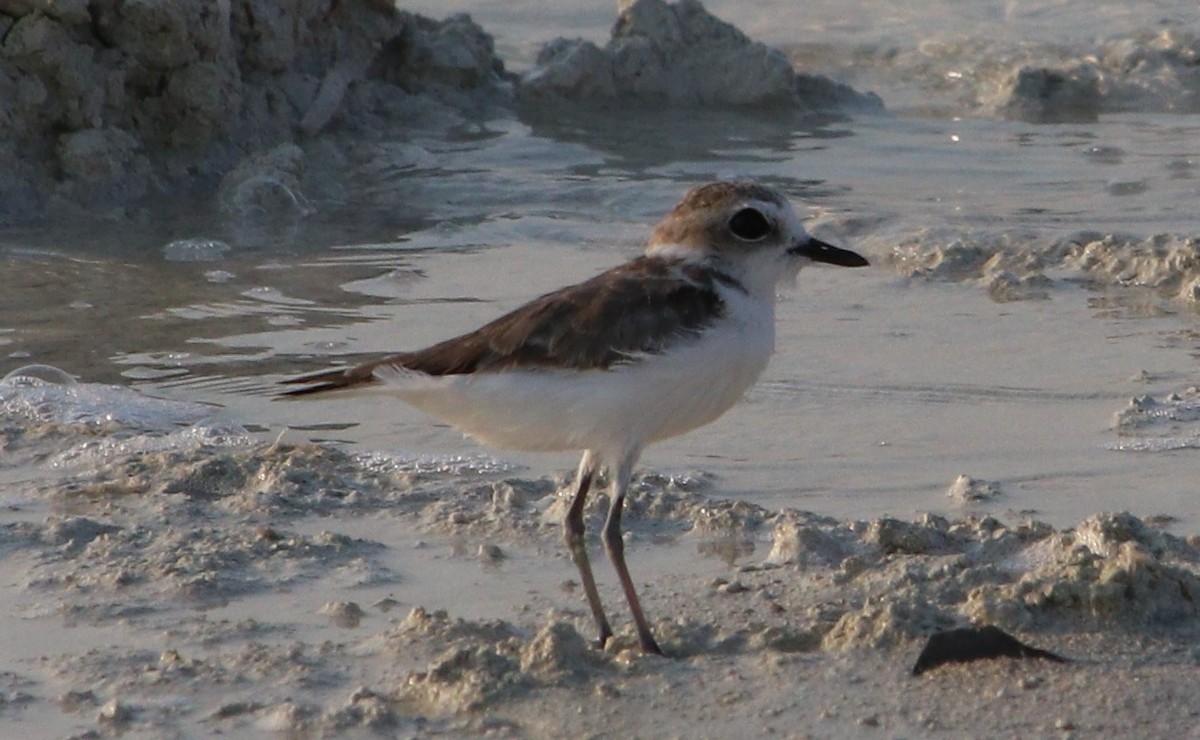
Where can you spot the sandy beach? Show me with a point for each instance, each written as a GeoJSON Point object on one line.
{"type": "Point", "coordinates": [251, 588]}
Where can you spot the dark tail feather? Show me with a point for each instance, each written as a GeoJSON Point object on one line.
{"type": "Point", "coordinates": [329, 380]}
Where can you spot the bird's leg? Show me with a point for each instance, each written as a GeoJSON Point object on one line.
{"type": "Point", "coordinates": [573, 534]}
{"type": "Point", "coordinates": [615, 546]}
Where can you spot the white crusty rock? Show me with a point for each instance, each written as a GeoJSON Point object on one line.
{"type": "Point", "coordinates": [681, 55]}
{"type": "Point", "coordinates": [105, 104]}
{"type": "Point", "coordinates": [101, 166]}
{"type": "Point", "coordinates": [1044, 95]}
{"type": "Point", "coordinates": [967, 489]}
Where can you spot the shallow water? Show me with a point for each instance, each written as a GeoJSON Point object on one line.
{"type": "Point", "coordinates": [885, 386]}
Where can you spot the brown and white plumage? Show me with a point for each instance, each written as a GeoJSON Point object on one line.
{"type": "Point", "coordinates": [640, 306]}
{"type": "Point", "coordinates": [650, 349]}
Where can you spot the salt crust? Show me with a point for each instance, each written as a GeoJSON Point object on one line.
{"type": "Point", "coordinates": [1015, 265]}
{"type": "Point", "coordinates": [151, 530]}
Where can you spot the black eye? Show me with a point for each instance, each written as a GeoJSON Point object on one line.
{"type": "Point", "coordinates": [749, 224]}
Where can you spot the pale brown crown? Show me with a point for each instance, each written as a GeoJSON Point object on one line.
{"type": "Point", "coordinates": [702, 219]}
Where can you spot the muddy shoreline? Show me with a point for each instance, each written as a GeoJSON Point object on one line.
{"type": "Point", "coordinates": [248, 586]}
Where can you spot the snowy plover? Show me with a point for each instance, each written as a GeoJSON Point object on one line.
{"type": "Point", "coordinates": [650, 349]}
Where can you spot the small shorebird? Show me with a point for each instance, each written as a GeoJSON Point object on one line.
{"type": "Point", "coordinates": [650, 349]}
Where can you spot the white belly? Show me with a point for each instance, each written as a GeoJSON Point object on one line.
{"type": "Point", "coordinates": [610, 411]}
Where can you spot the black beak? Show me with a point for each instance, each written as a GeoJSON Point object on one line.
{"type": "Point", "coordinates": [818, 251]}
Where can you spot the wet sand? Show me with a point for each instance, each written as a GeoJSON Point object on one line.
{"type": "Point", "coordinates": [238, 588]}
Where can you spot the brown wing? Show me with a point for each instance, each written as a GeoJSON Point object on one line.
{"type": "Point", "coordinates": [638, 308]}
